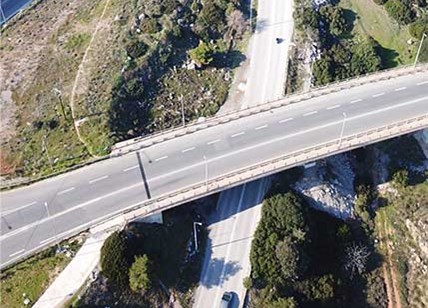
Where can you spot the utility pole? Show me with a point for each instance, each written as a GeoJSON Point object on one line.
{"type": "Point", "coordinates": [206, 172]}
{"type": "Point", "coordinates": [53, 225]}
{"type": "Point", "coordinates": [424, 35]}
{"type": "Point", "coordinates": [7, 224]}
{"type": "Point", "coordinates": [342, 130]}
{"type": "Point", "coordinates": [44, 144]}
{"type": "Point", "coordinates": [183, 119]}
{"type": "Point", "coordinates": [195, 234]}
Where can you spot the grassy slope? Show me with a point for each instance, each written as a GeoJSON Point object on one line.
{"type": "Point", "coordinates": [373, 20]}
{"type": "Point", "coordinates": [32, 276]}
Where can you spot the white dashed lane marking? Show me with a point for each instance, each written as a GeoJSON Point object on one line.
{"type": "Point", "coordinates": [213, 141]}
{"type": "Point", "coordinates": [285, 120]}
{"type": "Point", "coordinates": [189, 149]}
{"type": "Point", "coordinates": [98, 179]}
{"type": "Point", "coordinates": [161, 158]}
{"type": "Point", "coordinates": [310, 113]}
{"type": "Point", "coordinates": [237, 134]}
{"type": "Point", "coordinates": [355, 101]}
{"type": "Point", "coordinates": [379, 94]}
{"type": "Point", "coordinates": [333, 107]}
{"type": "Point", "coordinates": [65, 191]}
{"type": "Point", "coordinates": [130, 168]}
{"type": "Point", "coordinates": [400, 89]}
{"type": "Point", "coordinates": [422, 83]}
{"type": "Point", "coordinates": [261, 127]}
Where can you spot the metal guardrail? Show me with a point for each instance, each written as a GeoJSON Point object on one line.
{"type": "Point", "coordinates": [241, 176]}
{"type": "Point", "coordinates": [138, 143]}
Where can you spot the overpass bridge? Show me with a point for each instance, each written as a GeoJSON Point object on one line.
{"type": "Point", "coordinates": [151, 174]}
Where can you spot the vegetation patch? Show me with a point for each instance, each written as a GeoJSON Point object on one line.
{"type": "Point", "coordinates": [27, 280]}
{"type": "Point", "coordinates": [147, 264]}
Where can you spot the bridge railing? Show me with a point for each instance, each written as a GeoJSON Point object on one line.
{"type": "Point", "coordinates": [138, 143]}
{"type": "Point", "coordinates": [119, 218]}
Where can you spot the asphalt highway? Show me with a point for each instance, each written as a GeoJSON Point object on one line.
{"type": "Point", "coordinates": [10, 8]}
{"type": "Point", "coordinates": [35, 215]}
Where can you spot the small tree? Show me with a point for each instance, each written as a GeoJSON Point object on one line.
{"type": "Point", "coordinates": [203, 54]}
{"type": "Point", "coordinates": [356, 257]}
{"type": "Point", "coordinates": [114, 259]}
{"type": "Point", "coordinates": [401, 179]}
{"type": "Point", "coordinates": [140, 274]}
{"type": "Point", "coordinates": [288, 257]}
{"type": "Point", "coordinates": [247, 282]}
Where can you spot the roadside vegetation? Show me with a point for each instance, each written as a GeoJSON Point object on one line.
{"type": "Point", "coordinates": [336, 40]}
{"type": "Point", "coordinates": [302, 257]}
{"type": "Point", "coordinates": [97, 72]}
{"type": "Point", "coordinates": [149, 264]}
{"type": "Point", "coordinates": [26, 281]}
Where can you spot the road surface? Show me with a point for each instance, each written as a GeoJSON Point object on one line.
{"type": "Point", "coordinates": [10, 7]}
{"type": "Point", "coordinates": [239, 209]}
{"type": "Point", "coordinates": [75, 200]}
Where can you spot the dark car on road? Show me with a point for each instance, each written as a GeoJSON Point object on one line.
{"type": "Point", "coordinates": [226, 299]}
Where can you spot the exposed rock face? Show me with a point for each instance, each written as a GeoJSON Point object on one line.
{"type": "Point", "coordinates": [329, 186]}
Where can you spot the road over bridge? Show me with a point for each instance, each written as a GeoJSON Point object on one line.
{"type": "Point", "coordinates": [222, 152]}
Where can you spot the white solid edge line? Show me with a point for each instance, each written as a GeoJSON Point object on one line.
{"type": "Point", "coordinates": [213, 141]}
{"type": "Point", "coordinates": [130, 168]}
{"type": "Point", "coordinates": [98, 179]}
{"type": "Point", "coordinates": [379, 94]}
{"type": "Point", "coordinates": [421, 83]}
{"type": "Point", "coordinates": [310, 113]}
{"type": "Point", "coordinates": [9, 234]}
{"type": "Point", "coordinates": [16, 253]}
{"type": "Point", "coordinates": [400, 89]}
{"type": "Point", "coordinates": [355, 101]}
{"type": "Point", "coordinates": [237, 134]}
{"type": "Point", "coordinates": [332, 107]}
{"type": "Point", "coordinates": [161, 158]}
{"type": "Point", "coordinates": [65, 191]}
{"type": "Point", "coordinates": [285, 120]}
{"type": "Point", "coordinates": [47, 240]}
{"type": "Point", "coordinates": [261, 127]}
{"type": "Point", "coordinates": [189, 149]}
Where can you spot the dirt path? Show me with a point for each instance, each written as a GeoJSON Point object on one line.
{"type": "Point", "coordinates": [390, 276]}
{"type": "Point", "coordinates": [79, 81]}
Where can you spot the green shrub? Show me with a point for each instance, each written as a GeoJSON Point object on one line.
{"type": "Point", "coordinates": [399, 11]}
{"type": "Point", "coordinates": [380, 2]}
{"type": "Point", "coordinates": [418, 28]}
{"type": "Point", "coordinates": [136, 49]}
{"type": "Point", "coordinates": [150, 26]}
{"type": "Point", "coordinates": [203, 54]}
{"type": "Point", "coordinates": [335, 18]}
{"type": "Point", "coordinates": [115, 259]}
{"type": "Point", "coordinates": [141, 274]}
{"type": "Point", "coordinates": [317, 289]}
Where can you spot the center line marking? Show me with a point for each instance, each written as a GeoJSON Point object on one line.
{"type": "Point", "coordinates": [98, 179]}
{"type": "Point", "coordinates": [189, 149]}
{"type": "Point", "coordinates": [400, 89]}
{"type": "Point", "coordinates": [161, 158]}
{"type": "Point", "coordinates": [17, 253]}
{"type": "Point", "coordinates": [421, 83]}
{"type": "Point", "coordinates": [214, 141]}
{"type": "Point", "coordinates": [355, 101]}
{"type": "Point", "coordinates": [379, 94]}
{"type": "Point", "coordinates": [310, 113]}
{"type": "Point", "coordinates": [237, 134]}
{"type": "Point", "coordinates": [261, 127]}
{"type": "Point", "coordinates": [285, 120]}
{"type": "Point", "coordinates": [333, 107]}
{"type": "Point", "coordinates": [130, 168]}
{"type": "Point", "coordinates": [65, 191]}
